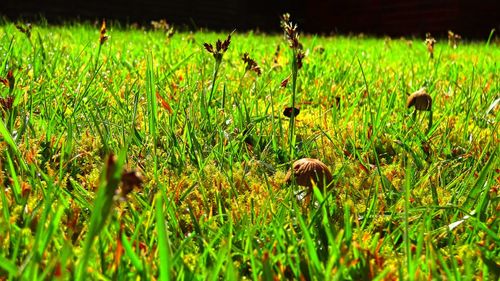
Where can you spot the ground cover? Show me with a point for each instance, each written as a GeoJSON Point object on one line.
{"type": "Point", "coordinates": [131, 153]}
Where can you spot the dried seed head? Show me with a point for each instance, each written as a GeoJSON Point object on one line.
{"type": "Point", "coordinates": [429, 42]}
{"type": "Point", "coordinates": [251, 64]}
{"type": "Point", "coordinates": [209, 47]}
{"type": "Point", "coordinates": [6, 103]}
{"type": "Point", "coordinates": [300, 57]}
{"type": "Point", "coordinates": [24, 28]}
{"type": "Point", "coordinates": [307, 171]}
{"type": "Point", "coordinates": [130, 180]}
{"type": "Point", "coordinates": [102, 36]}
{"type": "Point", "coordinates": [420, 99]}
{"type": "Point", "coordinates": [163, 25]}
{"type": "Point", "coordinates": [220, 48]}
{"type": "Point", "coordinates": [289, 110]}
{"type": "Point", "coordinates": [451, 35]}
{"type": "Point", "coordinates": [290, 31]}
{"type": "Point", "coordinates": [226, 43]}
{"type": "Point", "coordinates": [285, 18]}
{"type": "Point", "coordinates": [319, 49]}
{"type": "Point", "coordinates": [276, 55]}
{"type": "Point", "coordinates": [453, 39]}
{"type": "Point", "coordinates": [9, 81]}
{"type": "Point", "coordinates": [285, 81]}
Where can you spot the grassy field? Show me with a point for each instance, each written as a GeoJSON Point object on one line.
{"type": "Point", "coordinates": [409, 199]}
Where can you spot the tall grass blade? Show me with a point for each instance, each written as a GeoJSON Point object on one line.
{"type": "Point", "coordinates": [163, 241]}
{"type": "Point", "coordinates": [108, 183]}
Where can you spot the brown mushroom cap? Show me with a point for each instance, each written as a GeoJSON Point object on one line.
{"type": "Point", "coordinates": [308, 170]}
{"type": "Point", "coordinates": [420, 99]}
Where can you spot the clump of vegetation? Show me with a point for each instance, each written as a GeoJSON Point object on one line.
{"type": "Point", "coordinates": [198, 188]}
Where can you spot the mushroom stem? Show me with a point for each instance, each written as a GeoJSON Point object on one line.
{"type": "Point", "coordinates": [310, 173]}
{"type": "Point", "coordinates": [422, 101]}
{"type": "Point", "coordinates": [430, 122]}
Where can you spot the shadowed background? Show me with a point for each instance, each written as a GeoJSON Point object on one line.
{"type": "Point", "coordinates": [472, 19]}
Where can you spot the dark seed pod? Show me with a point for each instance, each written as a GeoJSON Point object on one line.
{"type": "Point", "coordinates": [288, 111]}
{"type": "Point", "coordinates": [421, 100]}
{"type": "Point", "coordinates": [130, 180]}
{"type": "Point", "coordinates": [307, 171]}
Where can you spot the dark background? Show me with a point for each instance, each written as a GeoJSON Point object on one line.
{"type": "Point", "coordinates": [471, 19]}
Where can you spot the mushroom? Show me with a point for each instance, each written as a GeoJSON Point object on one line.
{"type": "Point", "coordinates": [309, 172]}
{"type": "Point", "coordinates": [422, 101]}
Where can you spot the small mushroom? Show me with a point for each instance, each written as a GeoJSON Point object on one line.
{"type": "Point", "coordinates": [420, 99]}
{"type": "Point", "coordinates": [307, 171]}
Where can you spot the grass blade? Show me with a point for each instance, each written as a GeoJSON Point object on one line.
{"type": "Point", "coordinates": [109, 180]}
{"type": "Point", "coordinates": [162, 241]}
{"type": "Point", "coordinates": [8, 266]}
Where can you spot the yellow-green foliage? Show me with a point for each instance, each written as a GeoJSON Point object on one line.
{"type": "Point", "coordinates": [220, 164]}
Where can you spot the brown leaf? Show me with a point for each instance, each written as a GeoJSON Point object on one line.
{"type": "Point", "coordinates": [164, 103]}
{"type": "Point", "coordinates": [285, 82]}
{"type": "Point", "coordinates": [119, 249]}
{"type": "Point", "coordinates": [57, 270]}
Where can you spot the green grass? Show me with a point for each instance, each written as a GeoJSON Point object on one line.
{"type": "Point", "coordinates": [407, 202]}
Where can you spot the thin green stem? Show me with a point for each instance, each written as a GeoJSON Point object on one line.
{"type": "Point", "coordinates": [292, 138]}
{"type": "Point", "coordinates": [214, 79]}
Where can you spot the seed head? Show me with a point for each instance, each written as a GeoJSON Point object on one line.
{"type": "Point", "coordinates": [290, 31]}
{"type": "Point", "coordinates": [164, 26]}
{"type": "Point", "coordinates": [6, 103]}
{"type": "Point", "coordinates": [276, 55]}
{"type": "Point", "coordinates": [430, 42]}
{"type": "Point", "coordinates": [102, 36]}
{"type": "Point", "coordinates": [453, 39]}
{"type": "Point", "coordinates": [251, 65]}
{"type": "Point", "coordinates": [300, 57]}
{"type": "Point", "coordinates": [289, 110]}
{"type": "Point", "coordinates": [220, 48]}
{"type": "Point", "coordinates": [9, 81]}
{"type": "Point", "coordinates": [285, 81]}
{"type": "Point", "coordinates": [208, 47]}
{"type": "Point", "coordinates": [24, 28]}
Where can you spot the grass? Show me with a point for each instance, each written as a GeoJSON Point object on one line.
{"type": "Point", "coordinates": [407, 202]}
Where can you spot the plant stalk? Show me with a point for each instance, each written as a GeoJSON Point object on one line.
{"type": "Point", "coordinates": [292, 138]}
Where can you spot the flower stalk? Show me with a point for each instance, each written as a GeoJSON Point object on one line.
{"type": "Point", "coordinates": [217, 52]}
{"type": "Point", "coordinates": [292, 36]}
